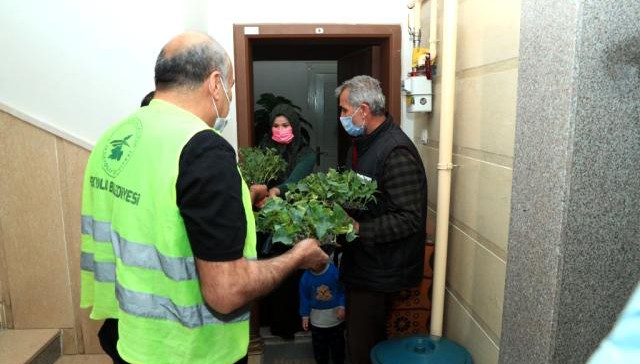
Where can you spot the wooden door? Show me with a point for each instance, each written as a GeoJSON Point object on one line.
{"type": "Point", "coordinates": [365, 61]}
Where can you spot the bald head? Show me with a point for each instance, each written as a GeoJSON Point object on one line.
{"type": "Point", "coordinates": [187, 60]}
{"type": "Point", "coordinates": [183, 41]}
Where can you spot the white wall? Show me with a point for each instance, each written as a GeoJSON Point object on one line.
{"type": "Point", "coordinates": [283, 78]}
{"type": "Point", "coordinates": [75, 67]}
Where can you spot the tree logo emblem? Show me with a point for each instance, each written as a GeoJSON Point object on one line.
{"type": "Point", "coordinates": [121, 146]}
{"type": "Point", "coordinates": [116, 151]}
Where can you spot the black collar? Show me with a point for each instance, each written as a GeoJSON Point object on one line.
{"type": "Point", "coordinates": [362, 143]}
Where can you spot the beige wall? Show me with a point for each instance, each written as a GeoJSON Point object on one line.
{"type": "Point", "coordinates": [40, 193]}
{"type": "Point", "coordinates": [484, 126]}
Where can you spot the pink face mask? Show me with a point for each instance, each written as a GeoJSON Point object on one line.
{"type": "Point", "coordinates": [282, 135]}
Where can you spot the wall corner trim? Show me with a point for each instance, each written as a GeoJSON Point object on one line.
{"type": "Point", "coordinates": [47, 126]}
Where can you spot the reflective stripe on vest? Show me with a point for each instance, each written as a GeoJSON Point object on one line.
{"type": "Point", "coordinates": [147, 256]}
{"type": "Point", "coordinates": [102, 271]}
{"type": "Point", "coordinates": [132, 254]}
{"type": "Point", "coordinates": [137, 254]}
{"type": "Point", "coordinates": [157, 307]}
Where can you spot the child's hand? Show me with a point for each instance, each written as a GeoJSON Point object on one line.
{"type": "Point", "coordinates": [340, 313]}
{"type": "Point", "coordinates": [305, 323]}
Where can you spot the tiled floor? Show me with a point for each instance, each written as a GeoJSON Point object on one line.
{"type": "Point", "coordinates": [103, 359]}
{"type": "Point", "coordinates": [296, 351]}
{"type": "Point", "coordinates": [84, 359]}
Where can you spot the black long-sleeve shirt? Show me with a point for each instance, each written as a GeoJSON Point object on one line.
{"type": "Point", "coordinates": [209, 195]}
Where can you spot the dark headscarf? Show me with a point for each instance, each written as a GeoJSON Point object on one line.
{"type": "Point", "coordinates": [294, 151]}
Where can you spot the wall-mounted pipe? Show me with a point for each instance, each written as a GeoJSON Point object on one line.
{"type": "Point", "coordinates": [414, 24]}
{"type": "Point", "coordinates": [445, 165]}
{"type": "Point", "coordinates": [417, 10]}
{"type": "Point", "coordinates": [433, 29]}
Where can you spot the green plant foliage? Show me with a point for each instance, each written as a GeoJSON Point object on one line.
{"type": "Point", "coordinates": [347, 189]}
{"type": "Point", "coordinates": [259, 166]}
{"type": "Point", "coordinates": [291, 222]}
{"type": "Point", "coordinates": [313, 208]}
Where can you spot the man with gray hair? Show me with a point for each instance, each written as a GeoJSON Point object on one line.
{"type": "Point", "coordinates": [388, 254]}
{"type": "Point", "coordinates": [168, 235]}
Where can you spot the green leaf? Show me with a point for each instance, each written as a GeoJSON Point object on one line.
{"type": "Point", "coordinates": [351, 236]}
{"type": "Point", "coordinates": [322, 226]}
{"type": "Point", "coordinates": [281, 235]}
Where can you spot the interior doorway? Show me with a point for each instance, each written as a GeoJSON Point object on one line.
{"type": "Point", "coordinates": [308, 86]}
{"type": "Point", "coordinates": [267, 56]}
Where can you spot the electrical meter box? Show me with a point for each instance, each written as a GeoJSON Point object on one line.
{"type": "Point", "coordinates": [419, 94]}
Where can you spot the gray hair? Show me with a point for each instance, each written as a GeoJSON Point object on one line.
{"type": "Point", "coordinates": [189, 67]}
{"type": "Point", "coordinates": [364, 90]}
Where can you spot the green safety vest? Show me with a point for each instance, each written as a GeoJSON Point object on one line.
{"type": "Point", "coordinates": [136, 264]}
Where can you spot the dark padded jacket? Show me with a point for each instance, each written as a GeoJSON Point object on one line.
{"type": "Point", "coordinates": [396, 264]}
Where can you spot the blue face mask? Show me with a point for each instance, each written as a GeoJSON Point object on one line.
{"type": "Point", "coordinates": [349, 127]}
{"type": "Point", "coordinates": [221, 122]}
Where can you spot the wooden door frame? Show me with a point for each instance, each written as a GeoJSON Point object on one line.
{"type": "Point", "coordinates": [388, 35]}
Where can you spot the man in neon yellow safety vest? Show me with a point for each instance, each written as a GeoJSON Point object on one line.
{"type": "Point", "coordinates": [168, 234]}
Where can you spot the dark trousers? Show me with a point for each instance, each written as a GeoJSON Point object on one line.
{"type": "Point", "coordinates": [108, 336]}
{"type": "Point", "coordinates": [366, 322]}
{"type": "Point", "coordinates": [328, 341]}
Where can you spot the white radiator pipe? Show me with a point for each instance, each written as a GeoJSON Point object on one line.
{"type": "Point", "coordinates": [445, 165]}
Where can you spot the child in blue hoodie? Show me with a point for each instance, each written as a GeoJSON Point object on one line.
{"type": "Point", "coordinates": [322, 311]}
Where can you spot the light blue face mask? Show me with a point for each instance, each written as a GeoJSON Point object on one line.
{"type": "Point", "coordinates": [349, 127]}
{"type": "Point", "coordinates": [221, 122]}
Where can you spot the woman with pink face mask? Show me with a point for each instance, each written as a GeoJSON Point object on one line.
{"type": "Point", "coordinates": [279, 309]}
{"type": "Point", "coordinates": [285, 137]}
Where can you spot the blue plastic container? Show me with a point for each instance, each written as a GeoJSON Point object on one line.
{"type": "Point", "coordinates": [420, 349]}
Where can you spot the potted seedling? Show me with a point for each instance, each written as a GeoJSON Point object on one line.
{"type": "Point", "coordinates": [313, 208]}
{"type": "Point", "coordinates": [259, 166]}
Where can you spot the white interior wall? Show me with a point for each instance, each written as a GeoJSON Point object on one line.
{"type": "Point", "coordinates": [282, 78]}
{"type": "Point", "coordinates": [75, 67]}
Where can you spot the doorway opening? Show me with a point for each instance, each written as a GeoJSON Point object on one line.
{"type": "Point", "coordinates": [305, 63]}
